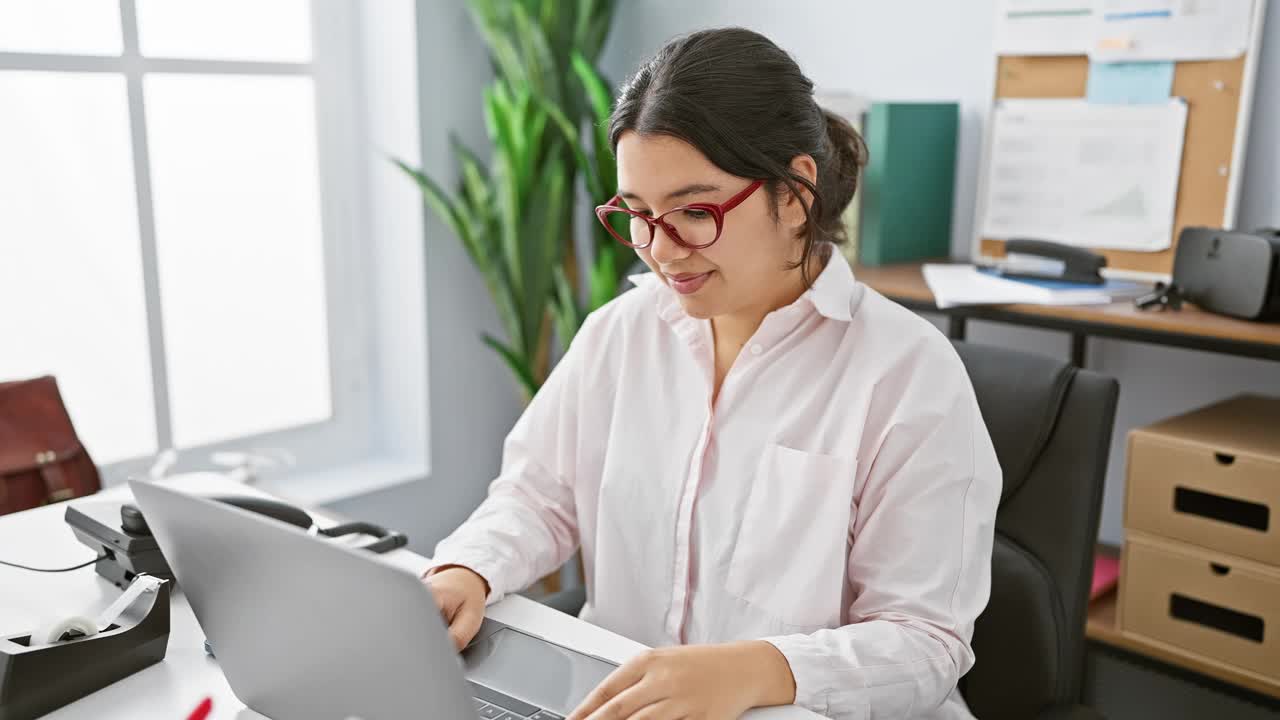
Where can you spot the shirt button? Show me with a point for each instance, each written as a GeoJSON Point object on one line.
{"type": "Point", "coordinates": [756, 349]}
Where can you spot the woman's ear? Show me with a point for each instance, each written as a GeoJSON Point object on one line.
{"type": "Point", "coordinates": [791, 209]}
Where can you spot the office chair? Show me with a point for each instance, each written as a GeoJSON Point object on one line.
{"type": "Point", "coordinates": [1051, 427]}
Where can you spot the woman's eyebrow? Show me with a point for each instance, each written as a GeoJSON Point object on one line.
{"type": "Point", "coordinates": [691, 189]}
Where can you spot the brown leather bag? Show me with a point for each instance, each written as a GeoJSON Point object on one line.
{"type": "Point", "coordinates": [41, 458]}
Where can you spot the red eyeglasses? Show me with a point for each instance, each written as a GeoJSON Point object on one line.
{"type": "Point", "coordinates": [695, 226]}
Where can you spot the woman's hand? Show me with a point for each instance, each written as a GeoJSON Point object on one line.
{"type": "Point", "coordinates": [460, 592]}
{"type": "Point", "coordinates": [694, 681]}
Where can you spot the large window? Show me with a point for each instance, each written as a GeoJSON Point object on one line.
{"type": "Point", "coordinates": [170, 229]}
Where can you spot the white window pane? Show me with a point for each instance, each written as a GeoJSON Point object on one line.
{"type": "Point", "coordinates": [71, 293]}
{"type": "Point", "coordinates": [235, 183]}
{"type": "Point", "coordinates": [78, 27]}
{"type": "Point", "coordinates": [275, 30]}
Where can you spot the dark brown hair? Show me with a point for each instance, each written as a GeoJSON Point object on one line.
{"type": "Point", "coordinates": [744, 103]}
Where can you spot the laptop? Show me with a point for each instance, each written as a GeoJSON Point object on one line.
{"type": "Point", "coordinates": [307, 629]}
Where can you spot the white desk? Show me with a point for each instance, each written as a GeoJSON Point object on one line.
{"type": "Point", "coordinates": [172, 688]}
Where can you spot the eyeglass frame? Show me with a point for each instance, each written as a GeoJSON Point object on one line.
{"type": "Point", "coordinates": [717, 210]}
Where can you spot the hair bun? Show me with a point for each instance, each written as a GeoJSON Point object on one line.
{"type": "Point", "coordinates": [838, 181]}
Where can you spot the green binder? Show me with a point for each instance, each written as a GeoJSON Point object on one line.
{"type": "Point", "coordinates": [908, 185]}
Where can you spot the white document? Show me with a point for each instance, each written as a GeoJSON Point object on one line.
{"type": "Point", "coordinates": [1102, 176]}
{"type": "Point", "coordinates": [955, 285]}
{"type": "Point", "coordinates": [1044, 27]}
{"type": "Point", "coordinates": [1127, 30]}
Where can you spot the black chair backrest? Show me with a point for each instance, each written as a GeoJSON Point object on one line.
{"type": "Point", "coordinates": [1051, 426]}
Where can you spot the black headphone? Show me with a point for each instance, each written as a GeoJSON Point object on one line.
{"type": "Point", "coordinates": [132, 520]}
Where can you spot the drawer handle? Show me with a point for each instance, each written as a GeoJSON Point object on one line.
{"type": "Point", "coordinates": [1234, 622]}
{"type": "Point", "coordinates": [1255, 516]}
{"type": "Point", "coordinates": [1219, 569]}
{"type": "Point", "coordinates": [1224, 459]}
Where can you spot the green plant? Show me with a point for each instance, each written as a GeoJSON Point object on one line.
{"type": "Point", "coordinates": [510, 218]}
{"type": "Point", "coordinates": [515, 215]}
{"type": "Point", "coordinates": [598, 169]}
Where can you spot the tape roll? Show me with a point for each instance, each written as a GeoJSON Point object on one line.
{"type": "Point", "coordinates": [53, 632]}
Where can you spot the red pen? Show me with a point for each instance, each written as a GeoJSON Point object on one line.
{"type": "Point", "coordinates": [202, 710]}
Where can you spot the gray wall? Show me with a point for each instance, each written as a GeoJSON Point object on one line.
{"type": "Point", "coordinates": [910, 50]}
{"type": "Point", "coordinates": [941, 50]}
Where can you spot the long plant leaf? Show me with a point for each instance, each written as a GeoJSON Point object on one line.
{"type": "Point", "coordinates": [604, 280]}
{"type": "Point", "coordinates": [542, 238]}
{"type": "Point", "coordinates": [593, 83]}
{"type": "Point", "coordinates": [573, 140]}
{"type": "Point", "coordinates": [493, 18]}
{"type": "Point", "coordinates": [602, 173]}
{"type": "Point", "coordinates": [534, 51]}
{"type": "Point", "coordinates": [518, 364]}
{"type": "Point", "coordinates": [507, 191]}
{"type": "Point", "coordinates": [444, 205]}
{"type": "Point", "coordinates": [439, 197]}
{"type": "Point", "coordinates": [567, 313]}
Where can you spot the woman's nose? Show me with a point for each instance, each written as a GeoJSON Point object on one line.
{"type": "Point", "coordinates": [664, 249]}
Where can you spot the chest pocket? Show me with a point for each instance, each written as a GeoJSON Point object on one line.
{"type": "Point", "coordinates": [790, 557]}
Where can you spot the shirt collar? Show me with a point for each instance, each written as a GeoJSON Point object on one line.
{"type": "Point", "coordinates": [833, 290]}
{"type": "Point", "coordinates": [831, 294]}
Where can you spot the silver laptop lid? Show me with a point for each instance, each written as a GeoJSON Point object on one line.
{"type": "Point", "coordinates": [304, 628]}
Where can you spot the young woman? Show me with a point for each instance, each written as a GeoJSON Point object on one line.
{"type": "Point", "coordinates": [777, 477]}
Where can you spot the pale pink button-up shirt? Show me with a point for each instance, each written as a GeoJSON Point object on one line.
{"type": "Point", "coordinates": [838, 500]}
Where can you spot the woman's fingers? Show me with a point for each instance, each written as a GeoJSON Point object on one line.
{"type": "Point", "coordinates": [618, 681]}
{"type": "Point", "coordinates": [661, 710]}
{"type": "Point", "coordinates": [466, 623]}
{"type": "Point", "coordinates": [444, 600]}
{"type": "Point", "coordinates": [625, 705]}
{"type": "Point", "coordinates": [462, 617]}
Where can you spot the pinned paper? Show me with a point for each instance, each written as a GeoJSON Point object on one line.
{"type": "Point", "coordinates": [1083, 174]}
{"type": "Point", "coordinates": [1044, 27]}
{"type": "Point", "coordinates": [1132, 30]}
{"type": "Point", "coordinates": [1118, 42]}
{"type": "Point", "coordinates": [1130, 83]}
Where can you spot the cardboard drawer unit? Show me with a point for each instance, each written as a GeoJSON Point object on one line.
{"type": "Point", "coordinates": [1210, 478]}
{"type": "Point", "coordinates": [1223, 609]}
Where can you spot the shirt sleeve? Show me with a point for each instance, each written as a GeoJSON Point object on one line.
{"type": "Point", "coordinates": [919, 567]}
{"type": "Point", "coordinates": [527, 527]}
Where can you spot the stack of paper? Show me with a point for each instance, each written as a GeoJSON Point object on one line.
{"type": "Point", "coordinates": [954, 285]}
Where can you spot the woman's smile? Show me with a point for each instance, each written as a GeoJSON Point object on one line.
{"type": "Point", "coordinates": [688, 283]}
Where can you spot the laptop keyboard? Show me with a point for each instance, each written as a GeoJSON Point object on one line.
{"type": "Point", "coordinates": [493, 705]}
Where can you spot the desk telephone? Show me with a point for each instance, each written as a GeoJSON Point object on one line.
{"type": "Point", "coordinates": [118, 532]}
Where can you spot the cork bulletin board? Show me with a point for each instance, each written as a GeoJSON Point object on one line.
{"type": "Point", "coordinates": [1219, 96]}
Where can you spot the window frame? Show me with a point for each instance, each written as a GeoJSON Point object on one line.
{"type": "Point", "coordinates": [349, 437]}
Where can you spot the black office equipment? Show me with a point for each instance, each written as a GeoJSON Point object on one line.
{"type": "Point", "coordinates": [125, 554]}
{"type": "Point", "coordinates": [1051, 426]}
{"type": "Point", "coordinates": [1165, 296]}
{"type": "Point", "coordinates": [35, 680]}
{"type": "Point", "coordinates": [119, 533]}
{"type": "Point", "coordinates": [1051, 261]}
{"type": "Point", "coordinates": [1230, 272]}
